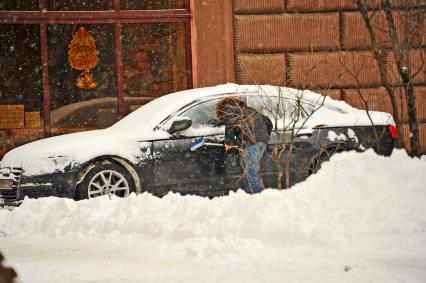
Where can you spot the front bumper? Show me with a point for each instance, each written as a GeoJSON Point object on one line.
{"type": "Point", "coordinates": [9, 186]}
{"type": "Point", "coordinates": [15, 186]}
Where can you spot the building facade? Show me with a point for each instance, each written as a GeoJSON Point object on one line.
{"type": "Point", "coordinates": [72, 65]}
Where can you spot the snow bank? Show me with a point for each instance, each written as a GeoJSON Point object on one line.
{"type": "Point", "coordinates": [355, 200]}
{"type": "Point", "coordinates": [361, 218]}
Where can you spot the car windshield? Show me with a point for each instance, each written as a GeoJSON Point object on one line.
{"type": "Point", "coordinates": [151, 113]}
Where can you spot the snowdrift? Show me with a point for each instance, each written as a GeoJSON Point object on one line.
{"type": "Point", "coordinates": [361, 218]}
{"type": "Point", "coordinates": [356, 198]}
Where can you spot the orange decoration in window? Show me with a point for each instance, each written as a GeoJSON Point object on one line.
{"type": "Point", "coordinates": [83, 56]}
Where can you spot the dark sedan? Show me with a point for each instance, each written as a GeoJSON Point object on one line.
{"type": "Point", "coordinates": [150, 149]}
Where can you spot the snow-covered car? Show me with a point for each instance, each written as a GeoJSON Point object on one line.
{"type": "Point", "coordinates": [150, 149]}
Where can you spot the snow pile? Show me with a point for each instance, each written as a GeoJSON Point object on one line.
{"type": "Point", "coordinates": [355, 193]}
{"type": "Point", "coordinates": [359, 205]}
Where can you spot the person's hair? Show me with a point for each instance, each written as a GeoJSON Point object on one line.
{"type": "Point", "coordinates": [227, 101]}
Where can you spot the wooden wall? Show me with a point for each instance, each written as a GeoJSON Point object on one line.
{"type": "Point", "coordinates": [212, 42]}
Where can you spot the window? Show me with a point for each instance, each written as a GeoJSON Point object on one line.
{"type": "Point", "coordinates": [143, 48]}
{"type": "Point", "coordinates": [154, 60]}
{"type": "Point", "coordinates": [21, 75]}
{"type": "Point", "coordinates": [152, 4]}
{"type": "Point", "coordinates": [79, 5]}
{"type": "Point", "coordinates": [203, 117]}
{"type": "Point", "coordinates": [71, 106]}
{"type": "Point", "coordinates": [18, 5]}
{"type": "Point", "coordinates": [203, 114]}
{"type": "Point", "coordinates": [20, 80]}
{"type": "Point", "coordinates": [280, 107]}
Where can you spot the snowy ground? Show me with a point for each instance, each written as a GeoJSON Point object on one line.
{"type": "Point", "coordinates": [362, 218]}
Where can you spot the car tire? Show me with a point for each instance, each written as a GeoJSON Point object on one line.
{"type": "Point", "coordinates": [105, 178]}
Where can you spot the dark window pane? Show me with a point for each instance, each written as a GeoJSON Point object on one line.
{"type": "Point", "coordinates": [154, 60]}
{"type": "Point", "coordinates": [21, 103]}
{"type": "Point", "coordinates": [18, 5]}
{"type": "Point", "coordinates": [151, 4]}
{"type": "Point", "coordinates": [79, 5]}
{"type": "Point", "coordinates": [74, 107]}
{"type": "Point", "coordinates": [20, 65]}
{"type": "Point", "coordinates": [203, 114]}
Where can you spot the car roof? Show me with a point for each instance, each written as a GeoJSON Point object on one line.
{"type": "Point", "coordinates": [159, 109]}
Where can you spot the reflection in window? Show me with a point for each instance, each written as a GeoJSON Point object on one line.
{"type": "Point", "coordinates": [151, 4]}
{"type": "Point", "coordinates": [203, 114]}
{"type": "Point", "coordinates": [20, 65]}
{"type": "Point", "coordinates": [154, 59]}
{"type": "Point", "coordinates": [21, 103]}
{"type": "Point", "coordinates": [74, 107]}
{"type": "Point", "coordinates": [18, 5]}
{"type": "Point", "coordinates": [79, 5]}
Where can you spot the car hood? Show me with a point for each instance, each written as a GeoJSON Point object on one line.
{"type": "Point", "coordinates": [67, 151]}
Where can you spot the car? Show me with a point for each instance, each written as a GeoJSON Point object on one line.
{"type": "Point", "coordinates": [152, 149]}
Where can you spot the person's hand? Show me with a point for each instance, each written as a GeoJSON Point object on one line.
{"type": "Point", "coordinates": [229, 147]}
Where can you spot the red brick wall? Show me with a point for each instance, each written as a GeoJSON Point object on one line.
{"type": "Point", "coordinates": [323, 45]}
{"type": "Point", "coordinates": [289, 32]}
{"type": "Point", "coordinates": [259, 6]}
{"type": "Point", "coordinates": [258, 67]}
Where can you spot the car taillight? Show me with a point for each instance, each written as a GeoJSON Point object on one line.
{"type": "Point", "coordinates": [393, 131]}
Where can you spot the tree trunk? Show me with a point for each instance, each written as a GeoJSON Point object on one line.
{"type": "Point", "coordinates": [412, 115]}
{"type": "Point", "coordinates": [379, 56]}
{"type": "Point", "coordinates": [402, 62]}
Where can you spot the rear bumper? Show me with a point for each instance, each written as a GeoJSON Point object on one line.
{"type": "Point", "coordinates": [386, 143]}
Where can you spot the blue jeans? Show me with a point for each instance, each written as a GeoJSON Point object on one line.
{"type": "Point", "coordinates": [251, 158]}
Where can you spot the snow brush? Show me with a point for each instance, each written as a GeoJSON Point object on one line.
{"type": "Point", "coordinates": [202, 141]}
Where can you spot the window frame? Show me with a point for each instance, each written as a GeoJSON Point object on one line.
{"type": "Point", "coordinates": [117, 17]}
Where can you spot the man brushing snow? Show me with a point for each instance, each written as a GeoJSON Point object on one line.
{"type": "Point", "coordinates": [249, 131]}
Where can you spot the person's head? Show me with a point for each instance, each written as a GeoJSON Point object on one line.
{"type": "Point", "coordinates": [228, 108]}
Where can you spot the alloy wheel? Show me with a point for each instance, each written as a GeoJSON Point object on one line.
{"type": "Point", "coordinates": [108, 182]}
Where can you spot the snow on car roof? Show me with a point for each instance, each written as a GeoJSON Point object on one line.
{"type": "Point", "coordinates": [157, 110]}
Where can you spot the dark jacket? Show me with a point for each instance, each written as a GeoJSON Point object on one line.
{"type": "Point", "coordinates": [245, 126]}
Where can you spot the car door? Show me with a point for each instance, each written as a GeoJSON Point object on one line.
{"type": "Point", "coordinates": [200, 171]}
{"type": "Point", "coordinates": [289, 115]}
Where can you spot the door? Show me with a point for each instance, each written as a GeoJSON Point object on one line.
{"type": "Point", "coordinates": [290, 115]}
{"type": "Point", "coordinates": [201, 171]}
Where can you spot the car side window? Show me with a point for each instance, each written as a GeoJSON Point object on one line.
{"type": "Point", "coordinates": [278, 108]}
{"type": "Point", "coordinates": [203, 114]}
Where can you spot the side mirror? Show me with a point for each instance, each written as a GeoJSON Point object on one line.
{"type": "Point", "coordinates": [179, 124]}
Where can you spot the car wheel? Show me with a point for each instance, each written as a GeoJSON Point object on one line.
{"type": "Point", "coordinates": [105, 178]}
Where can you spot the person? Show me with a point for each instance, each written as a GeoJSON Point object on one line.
{"type": "Point", "coordinates": [7, 274]}
{"type": "Point", "coordinates": [249, 131]}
